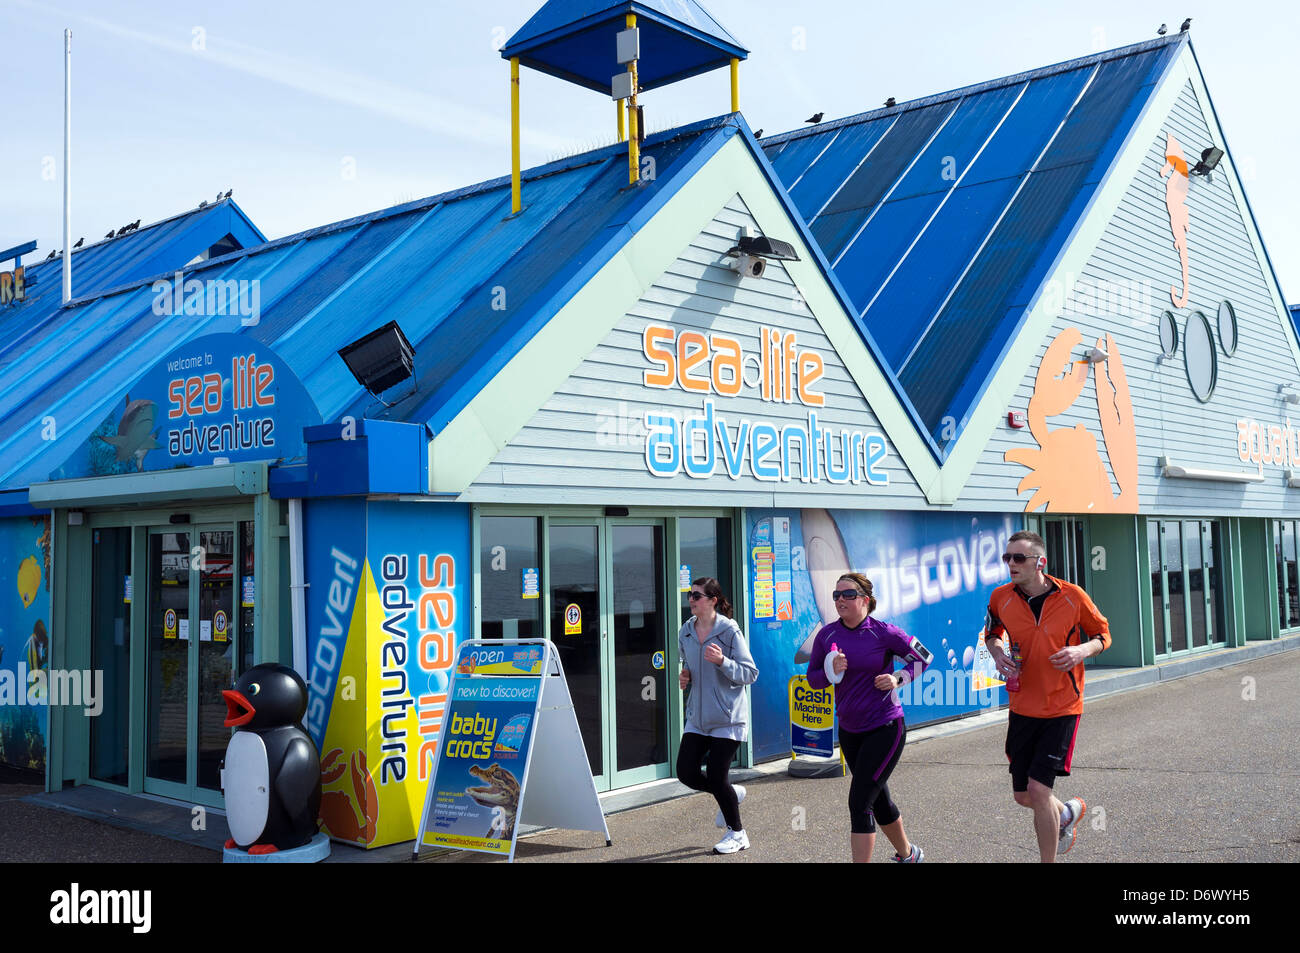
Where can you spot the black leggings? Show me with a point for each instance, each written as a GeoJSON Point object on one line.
{"type": "Point", "coordinates": [719, 751]}
{"type": "Point", "coordinates": [871, 756]}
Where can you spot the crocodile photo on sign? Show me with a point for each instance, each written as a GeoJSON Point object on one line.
{"type": "Point", "coordinates": [500, 790]}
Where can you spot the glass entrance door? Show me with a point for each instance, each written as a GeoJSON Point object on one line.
{"type": "Point", "coordinates": [193, 644]}
{"type": "Point", "coordinates": [610, 620]}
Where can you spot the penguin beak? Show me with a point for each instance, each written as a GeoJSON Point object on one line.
{"type": "Point", "coordinates": [239, 710]}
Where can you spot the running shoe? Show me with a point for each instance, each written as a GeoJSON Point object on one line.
{"type": "Point", "coordinates": [1070, 828]}
{"type": "Point", "coordinates": [732, 842]}
{"type": "Point", "coordinates": [915, 857]}
{"type": "Point", "coordinates": [719, 820]}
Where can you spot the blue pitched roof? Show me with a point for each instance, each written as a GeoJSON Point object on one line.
{"type": "Point", "coordinates": [433, 265]}
{"type": "Point", "coordinates": [115, 262]}
{"type": "Point", "coordinates": [574, 40]}
{"type": "Point", "coordinates": [943, 216]}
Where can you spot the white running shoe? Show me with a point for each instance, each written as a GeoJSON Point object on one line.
{"type": "Point", "coordinates": [1070, 828]}
{"type": "Point", "coordinates": [915, 856]}
{"type": "Point", "coordinates": [732, 842]}
{"type": "Point", "coordinates": [719, 820]}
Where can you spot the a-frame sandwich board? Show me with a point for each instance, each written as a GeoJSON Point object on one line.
{"type": "Point", "coordinates": [508, 705]}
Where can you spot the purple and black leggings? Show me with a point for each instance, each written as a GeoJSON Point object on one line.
{"type": "Point", "coordinates": [871, 756]}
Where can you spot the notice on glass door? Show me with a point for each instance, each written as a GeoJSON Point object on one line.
{"type": "Point", "coordinates": [185, 628]}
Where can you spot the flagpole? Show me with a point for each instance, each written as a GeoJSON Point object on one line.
{"type": "Point", "coordinates": [67, 166]}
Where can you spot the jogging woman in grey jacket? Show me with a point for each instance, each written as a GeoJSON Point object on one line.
{"type": "Point", "coordinates": [716, 667]}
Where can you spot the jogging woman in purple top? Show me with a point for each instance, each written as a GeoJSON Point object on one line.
{"type": "Point", "coordinates": [872, 734]}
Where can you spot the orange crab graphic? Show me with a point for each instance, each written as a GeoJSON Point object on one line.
{"type": "Point", "coordinates": [337, 811]}
{"type": "Point", "coordinates": [1068, 473]}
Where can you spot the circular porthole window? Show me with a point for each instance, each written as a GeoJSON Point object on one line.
{"type": "Point", "coordinates": [1168, 334]}
{"type": "Point", "coordinates": [1227, 328]}
{"type": "Point", "coordinates": [1201, 357]}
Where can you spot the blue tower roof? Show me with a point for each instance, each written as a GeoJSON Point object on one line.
{"type": "Point", "coordinates": [574, 40]}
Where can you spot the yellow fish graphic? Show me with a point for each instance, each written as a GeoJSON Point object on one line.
{"type": "Point", "coordinates": [29, 580]}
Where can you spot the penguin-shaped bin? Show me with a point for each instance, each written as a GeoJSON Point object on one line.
{"type": "Point", "coordinates": [271, 773]}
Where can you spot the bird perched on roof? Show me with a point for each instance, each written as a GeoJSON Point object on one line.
{"type": "Point", "coordinates": [816, 118]}
{"type": "Point", "coordinates": [203, 204]}
{"type": "Point", "coordinates": [890, 101]}
{"type": "Point", "coordinates": [758, 134]}
{"type": "Point", "coordinates": [79, 242]}
{"type": "Point", "coordinates": [229, 192]}
{"type": "Point", "coordinates": [135, 224]}
{"type": "Point", "coordinates": [1164, 28]}
{"type": "Point", "coordinates": [1187, 25]}
{"type": "Point", "coordinates": [111, 232]}
{"type": "Point", "coordinates": [52, 254]}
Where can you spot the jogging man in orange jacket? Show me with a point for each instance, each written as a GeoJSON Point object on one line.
{"type": "Point", "coordinates": [1053, 627]}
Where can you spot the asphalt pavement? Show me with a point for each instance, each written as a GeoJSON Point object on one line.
{"type": "Point", "coordinates": [1201, 768]}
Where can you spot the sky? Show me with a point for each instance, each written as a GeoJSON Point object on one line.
{"type": "Point", "coordinates": [314, 111]}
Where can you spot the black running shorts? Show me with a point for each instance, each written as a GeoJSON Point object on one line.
{"type": "Point", "coordinates": [1039, 748]}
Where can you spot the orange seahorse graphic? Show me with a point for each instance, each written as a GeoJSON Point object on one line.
{"type": "Point", "coordinates": [1175, 170]}
{"type": "Point", "coordinates": [1067, 472]}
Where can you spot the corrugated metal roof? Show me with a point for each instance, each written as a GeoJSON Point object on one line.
{"type": "Point", "coordinates": [116, 262]}
{"type": "Point", "coordinates": [434, 265]}
{"type": "Point", "coordinates": [943, 216]}
{"type": "Point", "coordinates": [574, 40]}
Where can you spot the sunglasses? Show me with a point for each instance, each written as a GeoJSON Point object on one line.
{"type": "Point", "coordinates": [697, 595]}
{"type": "Point", "coordinates": [1016, 558]}
{"type": "Point", "coordinates": [849, 594]}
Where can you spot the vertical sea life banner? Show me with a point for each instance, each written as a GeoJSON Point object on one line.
{"type": "Point", "coordinates": [932, 575]}
{"type": "Point", "coordinates": [418, 556]}
{"type": "Point", "coordinates": [24, 638]}
{"type": "Point", "coordinates": [387, 605]}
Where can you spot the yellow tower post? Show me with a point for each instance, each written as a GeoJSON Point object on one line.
{"type": "Point", "coordinates": [516, 203]}
{"type": "Point", "coordinates": [735, 85]}
{"type": "Point", "coordinates": [622, 135]}
{"type": "Point", "coordinates": [633, 146]}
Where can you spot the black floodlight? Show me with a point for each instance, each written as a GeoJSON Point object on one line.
{"type": "Point", "coordinates": [1209, 159]}
{"type": "Point", "coordinates": [760, 246]}
{"type": "Point", "coordinates": [381, 359]}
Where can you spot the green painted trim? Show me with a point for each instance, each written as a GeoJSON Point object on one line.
{"type": "Point", "coordinates": [490, 421]}
{"type": "Point", "coordinates": [1146, 602]}
{"type": "Point", "coordinates": [193, 483]}
{"type": "Point", "coordinates": [1000, 395]}
{"type": "Point", "coordinates": [139, 661]}
{"type": "Point", "coordinates": [1114, 590]}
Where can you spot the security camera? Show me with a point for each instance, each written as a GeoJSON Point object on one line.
{"type": "Point", "coordinates": [749, 266]}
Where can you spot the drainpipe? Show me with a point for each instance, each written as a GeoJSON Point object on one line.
{"type": "Point", "coordinates": [297, 589]}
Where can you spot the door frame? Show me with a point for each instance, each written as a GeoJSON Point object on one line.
{"type": "Point", "coordinates": [547, 515]}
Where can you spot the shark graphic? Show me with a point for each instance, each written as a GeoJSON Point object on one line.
{"type": "Point", "coordinates": [135, 432]}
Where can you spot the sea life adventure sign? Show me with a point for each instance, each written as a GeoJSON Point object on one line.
{"type": "Point", "coordinates": [716, 367]}
{"type": "Point", "coordinates": [221, 398]}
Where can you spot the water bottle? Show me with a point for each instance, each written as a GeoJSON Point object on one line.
{"type": "Point", "coordinates": [829, 666]}
{"type": "Point", "coordinates": [1013, 681]}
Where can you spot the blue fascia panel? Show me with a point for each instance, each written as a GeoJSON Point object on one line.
{"type": "Point", "coordinates": [287, 481]}
{"type": "Point", "coordinates": [14, 503]}
{"type": "Point", "coordinates": [560, 18]}
{"type": "Point", "coordinates": [382, 456]}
